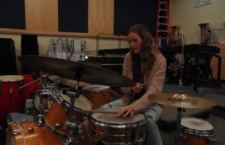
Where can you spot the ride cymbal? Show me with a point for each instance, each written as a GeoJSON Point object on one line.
{"type": "Point", "coordinates": [181, 100]}
{"type": "Point", "coordinates": [76, 71]}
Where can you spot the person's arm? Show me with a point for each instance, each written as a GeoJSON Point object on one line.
{"type": "Point", "coordinates": [155, 85]}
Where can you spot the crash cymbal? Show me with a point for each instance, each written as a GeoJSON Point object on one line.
{"type": "Point", "coordinates": [182, 100]}
{"type": "Point", "coordinates": [74, 70]}
{"type": "Point", "coordinates": [67, 82]}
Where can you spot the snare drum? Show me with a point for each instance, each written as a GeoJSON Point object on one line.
{"type": "Point", "coordinates": [111, 129]}
{"type": "Point", "coordinates": [11, 98]}
{"type": "Point", "coordinates": [29, 133]}
{"type": "Point", "coordinates": [59, 114]}
{"type": "Point", "coordinates": [196, 131]}
{"type": "Point", "coordinates": [97, 94]}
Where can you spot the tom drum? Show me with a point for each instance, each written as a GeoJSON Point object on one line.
{"type": "Point", "coordinates": [197, 131]}
{"type": "Point", "coordinates": [97, 94]}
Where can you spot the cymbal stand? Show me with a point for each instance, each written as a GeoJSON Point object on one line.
{"type": "Point", "coordinates": [179, 110]}
{"type": "Point", "coordinates": [43, 104]}
{"type": "Point", "coordinates": [73, 125]}
{"type": "Point", "coordinates": [178, 132]}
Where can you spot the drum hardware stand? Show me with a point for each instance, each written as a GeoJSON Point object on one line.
{"type": "Point", "coordinates": [73, 125]}
{"type": "Point", "coordinates": [43, 109]}
{"type": "Point", "coordinates": [179, 110]}
{"type": "Point", "coordinates": [40, 120]}
{"type": "Point", "coordinates": [69, 50]}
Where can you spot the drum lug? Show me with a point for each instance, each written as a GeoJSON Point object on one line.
{"type": "Point", "coordinates": [80, 128]}
{"type": "Point", "coordinates": [106, 136]}
{"type": "Point", "coordinates": [184, 136]}
{"type": "Point", "coordinates": [16, 132]}
{"type": "Point", "coordinates": [127, 138]}
{"type": "Point", "coordinates": [46, 111]}
{"type": "Point", "coordinates": [40, 121]}
{"type": "Point", "coordinates": [67, 110]}
{"type": "Point", "coordinates": [57, 125]}
{"type": "Point", "coordinates": [212, 140]}
{"type": "Point", "coordinates": [30, 130]}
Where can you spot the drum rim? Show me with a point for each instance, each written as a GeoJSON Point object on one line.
{"type": "Point", "coordinates": [18, 79]}
{"type": "Point", "coordinates": [75, 107]}
{"type": "Point", "coordinates": [54, 131]}
{"type": "Point", "coordinates": [196, 129]}
{"type": "Point", "coordinates": [113, 125]}
{"type": "Point", "coordinates": [84, 89]}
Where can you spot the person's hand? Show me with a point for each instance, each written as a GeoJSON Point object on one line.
{"type": "Point", "coordinates": [137, 88]}
{"type": "Point", "coordinates": [126, 111]}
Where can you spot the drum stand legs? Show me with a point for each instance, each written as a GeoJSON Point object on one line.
{"type": "Point", "coordinates": [74, 126]}
{"type": "Point", "coordinates": [178, 132]}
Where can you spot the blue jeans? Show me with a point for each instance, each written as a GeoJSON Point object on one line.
{"type": "Point", "coordinates": [153, 113]}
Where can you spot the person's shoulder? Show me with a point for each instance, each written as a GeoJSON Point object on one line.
{"type": "Point", "coordinates": [127, 55]}
{"type": "Point", "coordinates": [159, 56]}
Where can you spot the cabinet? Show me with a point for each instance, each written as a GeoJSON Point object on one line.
{"type": "Point", "coordinates": [214, 62]}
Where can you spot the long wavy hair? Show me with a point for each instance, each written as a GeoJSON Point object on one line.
{"type": "Point", "coordinates": [144, 60]}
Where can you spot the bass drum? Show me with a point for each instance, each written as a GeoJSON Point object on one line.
{"type": "Point", "coordinates": [59, 112]}
{"type": "Point", "coordinates": [12, 99]}
{"type": "Point", "coordinates": [30, 134]}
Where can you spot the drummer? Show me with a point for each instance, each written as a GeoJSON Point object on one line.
{"type": "Point", "coordinates": [144, 64]}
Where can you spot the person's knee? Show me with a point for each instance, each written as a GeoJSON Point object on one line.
{"type": "Point", "coordinates": [151, 123]}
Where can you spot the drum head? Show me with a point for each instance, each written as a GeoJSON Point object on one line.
{"type": "Point", "coordinates": [80, 102]}
{"type": "Point", "coordinates": [114, 119]}
{"type": "Point", "coordinates": [96, 88]}
{"type": "Point", "coordinates": [11, 78]}
{"type": "Point", "coordinates": [196, 124]}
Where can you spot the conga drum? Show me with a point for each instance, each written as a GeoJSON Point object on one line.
{"type": "Point", "coordinates": [12, 99]}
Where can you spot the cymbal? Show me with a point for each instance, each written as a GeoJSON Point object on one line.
{"type": "Point", "coordinates": [68, 82]}
{"type": "Point", "coordinates": [183, 100]}
{"type": "Point", "coordinates": [76, 71]}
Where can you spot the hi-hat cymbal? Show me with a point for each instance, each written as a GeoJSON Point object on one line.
{"type": "Point", "coordinates": [76, 71]}
{"type": "Point", "coordinates": [183, 100]}
{"type": "Point", "coordinates": [67, 82]}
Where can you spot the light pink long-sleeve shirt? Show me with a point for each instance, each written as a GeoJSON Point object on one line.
{"type": "Point", "coordinates": [154, 85]}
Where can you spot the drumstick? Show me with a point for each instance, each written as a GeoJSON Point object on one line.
{"type": "Point", "coordinates": [101, 111]}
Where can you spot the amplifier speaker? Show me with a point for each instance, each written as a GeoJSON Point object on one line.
{"type": "Point", "coordinates": [7, 57]}
{"type": "Point", "coordinates": [29, 46]}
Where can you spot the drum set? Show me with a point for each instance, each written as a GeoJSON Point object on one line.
{"type": "Point", "coordinates": [71, 116]}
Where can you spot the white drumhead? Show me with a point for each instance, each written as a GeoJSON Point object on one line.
{"type": "Point", "coordinates": [80, 102]}
{"type": "Point", "coordinates": [96, 88]}
{"type": "Point", "coordinates": [11, 78]}
{"type": "Point", "coordinates": [196, 124]}
{"type": "Point", "coordinates": [114, 119]}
